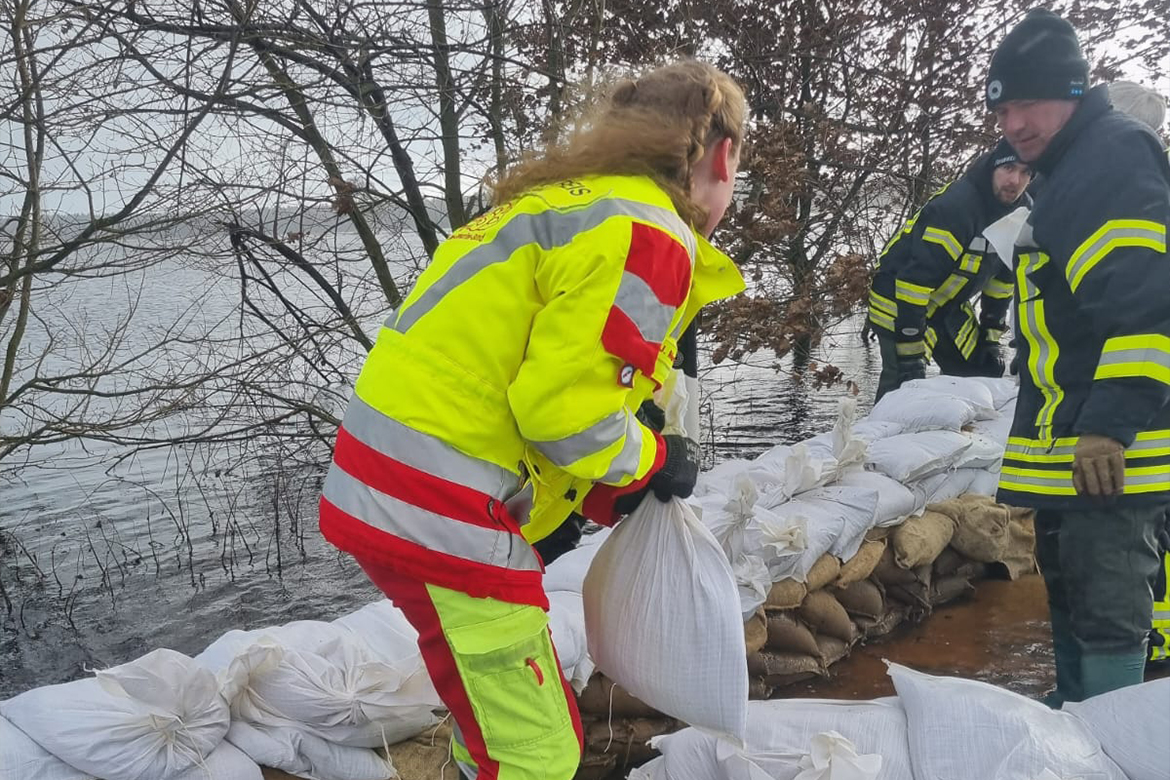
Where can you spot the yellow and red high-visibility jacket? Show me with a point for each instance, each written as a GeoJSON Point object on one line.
{"type": "Point", "coordinates": [523, 351]}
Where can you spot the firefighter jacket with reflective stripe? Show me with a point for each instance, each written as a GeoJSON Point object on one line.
{"type": "Point", "coordinates": [521, 353]}
{"type": "Point", "coordinates": [1093, 298]}
{"type": "Point", "coordinates": [937, 262]}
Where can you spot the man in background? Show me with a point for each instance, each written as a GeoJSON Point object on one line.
{"type": "Point", "coordinates": [1090, 443]}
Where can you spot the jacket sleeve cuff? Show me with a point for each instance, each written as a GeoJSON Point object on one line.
{"type": "Point", "coordinates": [1121, 408]}
{"type": "Point", "coordinates": [599, 503]}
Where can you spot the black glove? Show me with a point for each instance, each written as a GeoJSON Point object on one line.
{"type": "Point", "coordinates": [1014, 367]}
{"type": "Point", "coordinates": [627, 503]}
{"type": "Point", "coordinates": [680, 470]}
{"type": "Point", "coordinates": [912, 367]}
{"type": "Point", "coordinates": [652, 416]}
{"type": "Point", "coordinates": [990, 359]}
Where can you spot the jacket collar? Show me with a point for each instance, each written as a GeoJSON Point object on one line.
{"type": "Point", "coordinates": [1093, 106]}
{"type": "Point", "coordinates": [715, 277]}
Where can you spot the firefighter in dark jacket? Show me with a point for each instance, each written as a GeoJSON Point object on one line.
{"type": "Point", "coordinates": [1090, 444]}
{"type": "Point", "coordinates": [919, 303]}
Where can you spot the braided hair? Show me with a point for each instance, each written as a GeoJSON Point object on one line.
{"type": "Point", "coordinates": [658, 125]}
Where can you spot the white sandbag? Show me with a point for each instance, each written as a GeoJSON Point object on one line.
{"type": "Point", "coordinates": [322, 679]}
{"type": "Point", "coordinates": [834, 757]}
{"type": "Point", "coordinates": [567, 572]}
{"type": "Point", "coordinates": [984, 453]}
{"type": "Point", "coordinates": [984, 483]}
{"type": "Point", "coordinates": [969, 730]}
{"type": "Point", "coordinates": [1132, 725]}
{"type": "Point", "coordinates": [1003, 389]}
{"type": "Point", "coordinates": [23, 759]}
{"type": "Point", "coordinates": [719, 479]}
{"type": "Point", "coordinates": [896, 502]}
{"type": "Point", "coordinates": [663, 619]}
{"type": "Point", "coordinates": [836, 520]}
{"type": "Point", "coordinates": [916, 410]}
{"type": "Point", "coordinates": [911, 456]}
{"type": "Point", "coordinates": [654, 769]}
{"type": "Point", "coordinates": [995, 430]}
{"type": "Point", "coordinates": [870, 431]}
{"type": "Point", "coordinates": [385, 631]}
{"type": "Point", "coordinates": [840, 444]}
{"type": "Point", "coordinates": [969, 389]}
{"type": "Point", "coordinates": [158, 716]}
{"type": "Point", "coordinates": [945, 486]}
{"type": "Point", "coordinates": [226, 762]}
{"type": "Point", "coordinates": [306, 755]}
{"type": "Point", "coordinates": [566, 621]}
{"type": "Point", "coordinates": [784, 733]}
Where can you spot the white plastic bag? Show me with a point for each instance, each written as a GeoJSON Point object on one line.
{"type": "Point", "coordinates": [784, 733]}
{"type": "Point", "coordinates": [896, 502]}
{"type": "Point", "coordinates": [306, 755]}
{"type": "Point", "coordinates": [23, 759]}
{"type": "Point", "coordinates": [911, 456]}
{"type": "Point", "coordinates": [156, 717]}
{"type": "Point", "coordinates": [975, 392]}
{"type": "Point", "coordinates": [566, 621]}
{"type": "Point", "coordinates": [1132, 725]}
{"type": "Point", "coordinates": [969, 730]}
{"type": "Point", "coordinates": [916, 409]}
{"type": "Point", "coordinates": [1003, 389]}
{"type": "Point", "coordinates": [836, 519]}
{"type": "Point", "coordinates": [567, 573]}
{"type": "Point", "coordinates": [663, 618]}
{"type": "Point", "coordinates": [320, 678]}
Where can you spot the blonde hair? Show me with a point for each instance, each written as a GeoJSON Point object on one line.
{"type": "Point", "coordinates": [658, 125]}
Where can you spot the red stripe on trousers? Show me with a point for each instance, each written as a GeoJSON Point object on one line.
{"type": "Point", "coordinates": [414, 486]}
{"type": "Point", "coordinates": [412, 598]}
{"type": "Point", "coordinates": [661, 262]}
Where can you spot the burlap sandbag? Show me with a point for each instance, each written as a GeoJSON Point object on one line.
{"type": "Point", "coordinates": [872, 629]}
{"type": "Point", "coordinates": [786, 594]}
{"type": "Point", "coordinates": [947, 589]}
{"type": "Point", "coordinates": [920, 540]}
{"type": "Point", "coordinates": [825, 615]}
{"type": "Point", "coordinates": [861, 565]}
{"type": "Point", "coordinates": [823, 572]}
{"type": "Point", "coordinates": [786, 634]}
{"type": "Point", "coordinates": [626, 738]}
{"type": "Point", "coordinates": [878, 533]}
{"type": "Point", "coordinates": [759, 689]}
{"type": "Point", "coordinates": [862, 599]}
{"type": "Point", "coordinates": [948, 562]}
{"type": "Point", "coordinates": [781, 666]}
{"type": "Point", "coordinates": [981, 526]}
{"type": "Point", "coordinates": [426, 756]}
{"type": "Point", "coordinates": [832, 649]}
{"type": "Point", "coordinates": [1020, 557]}
{"type": "Point", "coordinates": [888, 573]}
{"type": "Point", "coordinates": [755, 631]}
{"type": "Point", "coordinates": [596, 700]}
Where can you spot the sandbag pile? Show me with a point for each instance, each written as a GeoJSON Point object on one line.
{"type": "Point", "coordinates": [936, 727]}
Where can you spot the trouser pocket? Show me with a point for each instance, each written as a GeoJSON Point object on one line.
{"type": "Point", "coordinates": [512, 680]}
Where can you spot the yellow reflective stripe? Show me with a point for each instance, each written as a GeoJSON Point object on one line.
{"type": "Point", "coordinates": [998, 289]}
{"type": "Point", "coordinates": [945, 239]}
{"type": "Point", "coordinates": [1147, 444]}
{"type": "Point", "coordinates": [946, 292]}
{"type": "Point", "coordinates": [1146, 355]}
{"type": "Point", "coordinates": [968, 336]}
{"type": "Point", "coordinates": [1043, 350]}
{"type": "Point", "coordinates": [1114, 234]}
{"type": "Point", "coordinates": [911, 348]}
{"type": "Point", "coordinates": [882, 303]}
{"type": "Point", "coordinates": [882, 319]}
{"type": "Point", "coordinates": [931, 337]}
{"type": "Point", "coordinates": [912, 293]}
{"type": "Point", "coordinates": [970, 263]}
{"type": "Point", "coordinates": [1149, 479]}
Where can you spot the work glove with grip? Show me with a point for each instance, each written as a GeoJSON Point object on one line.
{"type": "Point", "coordinates": [1099, 466]}
{"type": "Point", "coordinates": [680, 469]}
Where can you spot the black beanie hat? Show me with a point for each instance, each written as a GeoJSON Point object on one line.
{"type": "Point", "coordinates": [1040, 59]}
{"type": "Point", "coordinates": [1003, 154]}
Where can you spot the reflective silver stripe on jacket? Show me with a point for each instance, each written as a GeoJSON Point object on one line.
{"type": "Point", "coordinates": [547, 229]}
{"type": "Point", "coordinates": [424, 452]}
{"type": "Point", "coordinates": [425, 528]}
{"type": "Point", "coordinates": [637, 301]}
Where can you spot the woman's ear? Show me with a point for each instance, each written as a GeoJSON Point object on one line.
{"type": "Point", "coordinates": [721, 162]}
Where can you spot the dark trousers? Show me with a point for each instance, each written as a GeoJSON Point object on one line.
{"type": "Point", "coordinates": [1100, 566]}
{"type": "Point", "coordinates": [946, 355]}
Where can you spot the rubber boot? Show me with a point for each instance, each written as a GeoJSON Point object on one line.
{"type": "Point", "coordinates": [1067, 652]}
{"type": "Point", "coordinates": [1101, 673]}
